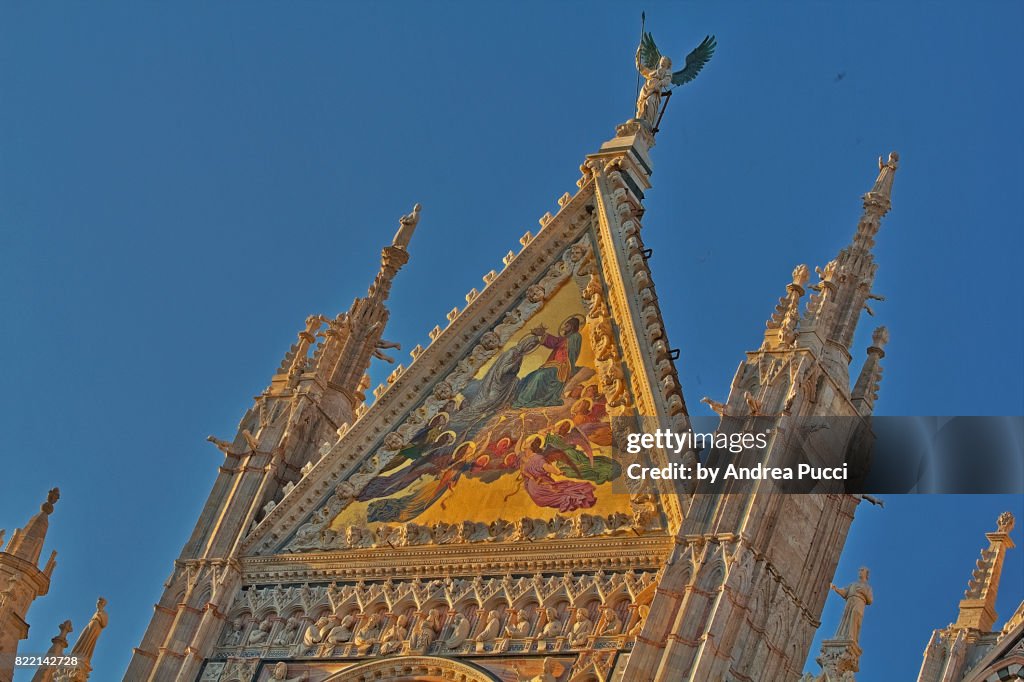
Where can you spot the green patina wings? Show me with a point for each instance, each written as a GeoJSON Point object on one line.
{"type": "Point", "coordinates": [695, 61]}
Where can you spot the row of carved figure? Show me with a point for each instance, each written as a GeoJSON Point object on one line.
{"type": "Point", "coordinates": [440, 615]}
{"type": "Point", "coordinates": [526, 529]}
{"type": "Point", "coordinates": [440, 630]}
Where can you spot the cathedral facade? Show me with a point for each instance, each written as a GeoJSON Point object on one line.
{"type": "Point", "coordinates": [469, 518]}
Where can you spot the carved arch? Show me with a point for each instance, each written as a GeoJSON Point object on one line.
{"type": "Point", "coordinates": [414, 669]}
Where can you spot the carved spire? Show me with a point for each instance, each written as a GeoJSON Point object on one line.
{"type": "Point", "coordinates": [354, 338]}
{"type": "Point", "coordinates": [978, 607]}
{"type": "Point", "coordinates": [845, 283]}
{"type": "Point", "coordinates": [865, 392]}
{"type": "Point", "coordinates": [27, 542]}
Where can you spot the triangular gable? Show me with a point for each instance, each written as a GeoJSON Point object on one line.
{"type": "Point", "coordinates": [449, 451]}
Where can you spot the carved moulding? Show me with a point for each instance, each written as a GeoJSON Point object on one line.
{"type": "Point", "coordinates": [626, 552]}
{"type": "Point", "coordinates": [621, 244]}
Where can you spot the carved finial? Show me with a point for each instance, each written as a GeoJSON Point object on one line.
{"type": "Point", "coordinates": [65, 628]}
{"type": "Point", "coordinates": [800, 275]}
{"type": "Point", "coordinates": [51, 499]}
{"type": "Point", "coordinates": [406, 226]}
{"type": "Point", "coordinates": [1005, 522]}
{"type": "Point", "coordinates": [57, 646]}
{"type": "Point", "coordinates": [27, 542]}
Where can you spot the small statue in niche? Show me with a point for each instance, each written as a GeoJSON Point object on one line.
{"type": "Point", "coordinates": [394, 635]}
{"type": "Point", "coordinates": [582, 626]}
{"type": "Point", "coordinates": [287, 634]}
{"type": "Point", "coordinates": [612, 622]}
{"type": "Point", "coordinates": [342, 632]}
{"type": "Point", "coordinates": [460, 632]}
{"type": "Point", "coordinates": [518, 625]}
{"type": "Point", "coordinates": [369, 633]}
{"type": "Point", "coordinates": [554, 625]}
{"type": "Point", "coordinates": [492, 627]}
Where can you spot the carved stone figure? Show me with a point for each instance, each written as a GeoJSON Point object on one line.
{"type": "Point", "coordinates": [315, 632]}
{"type": "Point", "coordinates": [279, 673]}
{"type": "Point", "coordinates": [552, 669]}
{"type": "Point", "coordinates": [499, 530]}
{"type": "Point", "coordinates": [612, 622]}
{"type": "Point", "coordinates": [406, 226]}
{"type": "Point", "coordinates": [582, 626]}
{"type": "Point", "coordinates": [369, 633]}
{"type": "Point", "coordinates": [460, 632]}
{"type": "Point", "coordinates": [259, 634]}
{"type": "Point", "coordinates": [554, 625]}
{"type": "Point", "coordinates": [394, 635]}
{"type": "Point", "coordinates": [618, 521]}
{"type": "Point", "coordinates": [288, 632]}
{"type": "Point", "coordinates": [474, 531]}
{"type": "Point", "coordinates": [233, 637]}
{"type": "Point", "coordinates": [427, 630]}
{"type": "Point", "coordinates": [356, 538]}
{"type": "Point", "coordinates": [641, 618]}
{"type": "Point", "coordinates": [86, 642]}
{"type": "Point", "coordinates": [535, 294]}
{"type": "Point", "coordinates": [416, 534]}
{"type": "Point", "coordinates": [492, 627]}
{"type": "Point", "coordinates": [658, 77]}
{"type": "Point", "coordinates": [857, 595]}
{"type": "Point", "coordinates": [342, 632]}
{"type": "Point", "coordinates": [445, 533]}
{"type": "Point", "coordinates": [310, 534]}
{"type": "Point", "coordinates": [517, 626]}
{"type": "Point", "coordinates": [490, 341]}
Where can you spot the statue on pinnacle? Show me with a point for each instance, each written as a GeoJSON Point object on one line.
{"type": "Point", "coordinates": [659, 79]}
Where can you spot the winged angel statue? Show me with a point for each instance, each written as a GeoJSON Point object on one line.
{"type": "Point", "coordinates": [659, 78]}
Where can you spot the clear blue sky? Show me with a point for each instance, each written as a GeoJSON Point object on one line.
{"type": "Point", "coordinates": [181, 185]}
